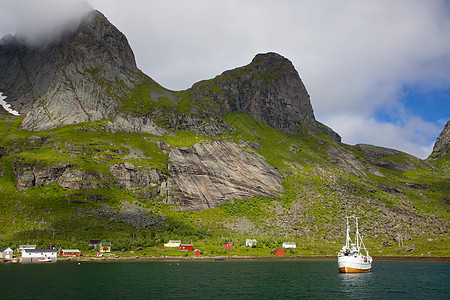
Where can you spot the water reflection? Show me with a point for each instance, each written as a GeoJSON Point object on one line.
{"type": "Point", "coordinates": [354, 284]}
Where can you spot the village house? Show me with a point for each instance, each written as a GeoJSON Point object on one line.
{"type": "Point", "coordinates": [186, 247]}
{"type": "Point", "coordinates": [197, 252]}
{"type": "Point", "coordinates": [279, 252]}
{"type": "Point", "coordinates": [250, 242]}
{"type": "Point", "coordinates": [34, 255]}
{"type": "Point", "coordinates": [70, 252]}
{"type": "Point", "coordinates": [94, 243]}
{"type": "Point", "coordinates": [291, 245]}
{"type": "Point", "coordinates": [228, 245]}
{"type": "Point", "coordinates": [173, 244]}
{"type": "Point", "coordinates": [6, 253]}
{"type": "Point", "coordinates": [105, 247]}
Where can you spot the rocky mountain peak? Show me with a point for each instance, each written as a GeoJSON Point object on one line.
{"type": "Point", "coordinates": [269, 89]}
{"type": "Point", "coordinates": [78, 77]}
{"type": "Point", "coordinates": [442, 144]}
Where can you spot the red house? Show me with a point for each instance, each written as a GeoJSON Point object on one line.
{"type": "Point", "coordinates": [228, 245]}
{"type": "Point", "coordinates": [197, 252]}
{"type": "Point", "coordinates": [70, 252]}
{"type": "Point", "coordinates": [186, 247]}
{"type": "Point", "coordinates": [279, 252]}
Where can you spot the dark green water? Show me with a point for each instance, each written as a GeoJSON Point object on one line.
{"type": "Point", "coordinates": [248, 279]}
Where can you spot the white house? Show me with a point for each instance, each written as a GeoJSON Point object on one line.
{"type": "Point", "coordinates": [6, 253]}
{"type": "Point", "coordinates": [289, 245]}
{"type": "Point", "coordinates": [34, 255]}
{"type": "Point", "coordinates": [173, 244]}
{"type": "Point", "coordinates": [250, 242]}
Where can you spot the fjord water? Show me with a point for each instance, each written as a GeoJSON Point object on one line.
{"type": "Point", "coordinates": [242, 279]}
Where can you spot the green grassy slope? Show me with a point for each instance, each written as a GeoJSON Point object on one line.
{"type": "Point", "coordinates": [318, 194]}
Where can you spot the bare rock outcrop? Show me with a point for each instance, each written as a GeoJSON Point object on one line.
{"type": "Point", "coordinates": [442, 145]}
{"type": "Point", "coordinates": [131, 177]}
{"type": "Point", "coordinates": [31, 175]}
{"type": "Point", "coordinates": [209, 174]}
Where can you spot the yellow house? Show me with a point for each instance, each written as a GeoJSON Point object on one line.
{"type": "Point", "coordinates": [105, 247]}
{"type": "Point", "coordinates": [173, 244]}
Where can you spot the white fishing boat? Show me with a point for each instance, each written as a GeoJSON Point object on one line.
{"type": "Point", "coordinates": [350, 258]}
{"type": "Point", "coordinates": [45, 259]}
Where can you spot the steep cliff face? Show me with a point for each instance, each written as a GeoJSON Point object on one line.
{"type": "Point", "coordinates": [442, 145]}
{"type": "Point", "coordinates": [209, 174]}
{"type": "Point", "coordinates": [269, 89]}
{"type": "Point", "coordinates": [76, 78]}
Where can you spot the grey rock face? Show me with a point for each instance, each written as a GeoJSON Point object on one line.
{"type": "Point", "coordinates": [28, 176]}
{"type": "Point", "coordinates": [442, 145]}
{"type": "Point", "coordinates": [209, 174]}
{"type": "Point", "coordinates": [380, 156]}
{"type": "Point", "coordinates": [74, 79]}
{"type": "Point", "coordinates": [269, 89]}
{"type": "Point", "coordinates": [131, 177]}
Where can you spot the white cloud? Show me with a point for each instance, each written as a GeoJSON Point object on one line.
{"type": "Point", "coordinates": [38, 21]}
{"type": "Point", "coordinates": [412, 137]}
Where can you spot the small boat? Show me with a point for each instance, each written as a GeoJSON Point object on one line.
{"type": "Point", "coordinates": [350, 258]}
{"type": "Point", "coordinates": [45, 259]}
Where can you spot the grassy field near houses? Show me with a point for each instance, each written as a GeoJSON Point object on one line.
{"type": "Point", "coordinates": [311, 205]}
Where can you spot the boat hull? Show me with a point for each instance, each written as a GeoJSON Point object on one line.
{"type": "Point", "coordinates": [350, 264]}
{"type": "Point", "coordinates": [352, 270]}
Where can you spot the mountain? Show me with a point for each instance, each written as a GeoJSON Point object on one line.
{"type": "Point", "coordinates": [442, 146]}
{"type": "Point", "coordinates": [101, 149]}
{"type": "Point", "coordinates": [76, 78]}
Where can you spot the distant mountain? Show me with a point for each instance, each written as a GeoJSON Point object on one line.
{"type": "Point", "coordinates": [100, 146]}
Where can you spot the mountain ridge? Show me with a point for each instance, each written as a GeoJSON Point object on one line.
{"type": "Point", "coordinates": [102, 145]}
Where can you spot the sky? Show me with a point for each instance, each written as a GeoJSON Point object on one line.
{"type": "Point", "coordinates": [377, 71]}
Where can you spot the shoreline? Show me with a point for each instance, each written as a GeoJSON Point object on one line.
{"type": "Point", "coordinates": [224, 258]}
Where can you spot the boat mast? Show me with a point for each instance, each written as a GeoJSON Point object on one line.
{"type": "Point", "coordinates": [357, 234]}
{"type": "Point", "coordinates": [347, 238]}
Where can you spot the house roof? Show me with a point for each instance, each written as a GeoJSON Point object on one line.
{"type": "Point", "coordinates": [105, 244]}
{"type": "Point", "coordinates": [5, 248]}
{"type": "Point", "coordinates": [70, 250]}
{"type": "Point", "coordinates": [39, 250]}
{"type": "Point", "coordinates": [27, 246]}
{"type": "Point", "coordinates": [95, 241]}
{"type": "Point", "coordinates": [187, 245]}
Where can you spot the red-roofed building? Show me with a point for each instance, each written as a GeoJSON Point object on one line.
{"type": "Point", "coordinates": [228, 245]}
{"type": "Point", "coordinates": [186, 247]}
{"type": "Point", "coordinates": [279, 252]}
